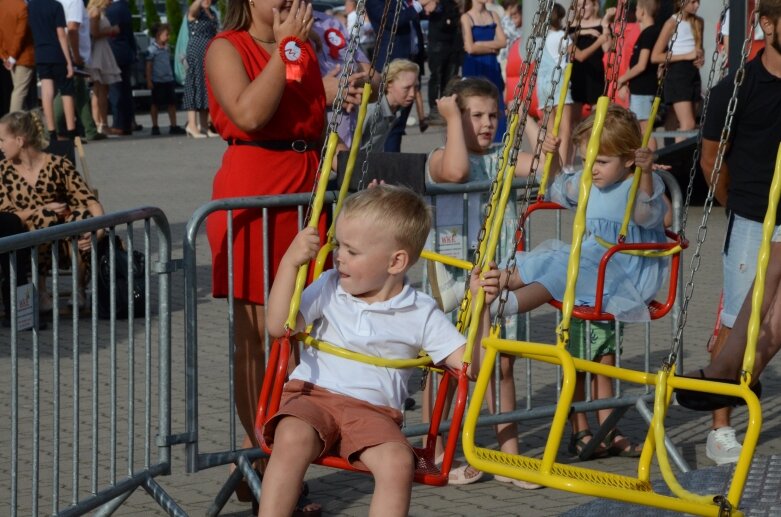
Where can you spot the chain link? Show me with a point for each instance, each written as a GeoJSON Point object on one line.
{"type": "Point", "coordinates": [337, 108]}
{"type": "Point", "coordinates": [705, 104]}
{"type": "Point", "coordinates": [615, 55]}
{"type": "Point", "coordinates": [702, 231]}
{"type": "Point", "coordinates": [381, 93]}
{"type": "Point", "coordinates": [573, 18]}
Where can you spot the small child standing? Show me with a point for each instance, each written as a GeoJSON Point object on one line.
{"type": "Point", "coordinates": [630, 281]}
{"type": "Point", "coordinates": [160, 78]}
{"type": "Point", "coordinates": [366, 304]}
{"type": "Point", "coordinates": [470, 111]}
{"type": "Point", "coordinates": [641, 78]}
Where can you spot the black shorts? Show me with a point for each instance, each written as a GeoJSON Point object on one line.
{"type": "Point", "coordinates": [682, 83]}
{"type": "Point", "coordinates": [164, 94]}
{"type": "Point", "coordinates": [57, 72]}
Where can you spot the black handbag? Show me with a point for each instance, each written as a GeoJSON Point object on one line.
{"type": "Point", "coordinates": [121, 280]}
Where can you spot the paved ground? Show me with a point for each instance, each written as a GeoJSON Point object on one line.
{"type": "Point", "coordinates": [175, 174]}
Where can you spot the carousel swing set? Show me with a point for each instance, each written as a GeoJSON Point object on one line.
{"type": "Point", "coordinates": [546, 470]}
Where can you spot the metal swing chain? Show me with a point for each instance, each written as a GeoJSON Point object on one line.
{"type": "Point", "coordinates": [337, 108]}
{"type": "Point", "coordinates": [698, 146]}
{"type": "Point", "coordinates": [703, 228]}
{"type": "Point", "coordinates": [381, 93]}
{"type": "Point", "coordinates": [615, 55]}
{"type": "Point", "coordinates": [574, 15]}
{"type": "Point", "coordinates": [520, 108]}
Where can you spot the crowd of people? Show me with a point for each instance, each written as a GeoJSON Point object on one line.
{"type": "Point", "coordinates": [263, 77]}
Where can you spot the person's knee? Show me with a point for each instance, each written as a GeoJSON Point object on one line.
{"type": "Point", "coordinates": [293, 435]}
{"type": "Point", "coordinates": [394, 462]}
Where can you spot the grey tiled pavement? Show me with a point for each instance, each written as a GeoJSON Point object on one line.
{"type": "Point", "coordinates": [175, 174]}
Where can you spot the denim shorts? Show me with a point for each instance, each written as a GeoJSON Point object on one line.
{"type": "Point", "coordinates": [740, 264]}
{"type": "Point", "coordinates": [641, 105]}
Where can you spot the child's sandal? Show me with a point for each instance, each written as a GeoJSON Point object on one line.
{"type": "Point", "coordinates": [630, 450]}
{"type": "Point", "coordinates": [578, 446]}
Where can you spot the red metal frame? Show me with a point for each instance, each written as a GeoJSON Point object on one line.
{"type": "Point", "coordinates": [656, 309]}
{"type": "Point", "coordinates": [426, 472]}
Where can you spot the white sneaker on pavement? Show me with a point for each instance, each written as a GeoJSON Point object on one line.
{"type": "Point", "coordinates": [722, 447]}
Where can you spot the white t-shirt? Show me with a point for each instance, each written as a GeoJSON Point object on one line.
{"type": "Point", "coordinates": [75, 12]}
{"type": "Point", "coordinates": [396, 329]}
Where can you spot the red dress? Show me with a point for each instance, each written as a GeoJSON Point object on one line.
{"type": "Point", "coordinates": [255, 171]}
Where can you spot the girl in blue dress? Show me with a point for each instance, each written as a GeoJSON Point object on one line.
{"type": "Point", "coordinates": [483, 40]}
{"type": "Point", "coordinates": [631, 281]}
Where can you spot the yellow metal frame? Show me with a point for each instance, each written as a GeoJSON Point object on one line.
{"type": "Point", "coordinates": [638, 490]}
{"type": "Point", "coordinates": [556, 124]}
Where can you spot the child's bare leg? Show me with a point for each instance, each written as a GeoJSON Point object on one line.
{"type": "Point", "coordinates": [506, 434]}
{"type": "Point", "coordinates": [579, 421]}
{"type": "Point", "coordinates": [296, 445]}
{"type": "Point", "coordinates": [393, 467]}
{"type": "Point", "coordinates": [684, 111]}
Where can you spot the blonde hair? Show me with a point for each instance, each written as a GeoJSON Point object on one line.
{"type": "Point", "coordinates": [238, 16]}
{"type": "Point", "coordinates": [29, 126]}
{"type": "Point", "coordinates": [621, 135]}
{"type": "Point", "coordinates": [396, 210]}
{"type": "Point", "coordinates": [399, 66]}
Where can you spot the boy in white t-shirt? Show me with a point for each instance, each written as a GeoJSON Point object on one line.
{"type": "Point", "coordinates": [366, 305]}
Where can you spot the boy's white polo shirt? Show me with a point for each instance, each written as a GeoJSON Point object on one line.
{"type": "Point", "coordinates": [397, 328]}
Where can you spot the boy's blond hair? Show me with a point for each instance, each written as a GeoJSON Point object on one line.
{"type": "Point", "coordinates": [398, 66]}
{"type": "Point", "coordinates": [398, 210]}
{"type": "Point", "coordinates": [651, 6]}
{"type": "Point", "coordinates": [621, 134]}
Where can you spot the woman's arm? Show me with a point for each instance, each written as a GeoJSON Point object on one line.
{"type": "Point", "coordinates": [500, 38]}
{"type": "Point", "coordinates": [583, 54]}
{"type": "Point", "coordinates": [470, 45]}
{"type": "Point", "coordinates": [659, 52]}
{"type": "Point", "coordinates": [451, 164]}
{"type": "Point", "coordinates": [251, 104]}
{"type": "Point", "coordinates": [192, 12]}
{"type": "Point", "coordinates": [94, 24]}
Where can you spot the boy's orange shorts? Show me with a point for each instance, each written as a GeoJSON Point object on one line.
{"type": "Point", "coordinates": [347, 426]}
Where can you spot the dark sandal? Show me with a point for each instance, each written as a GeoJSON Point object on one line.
{"type": "Point", "coordinates": [630, 450]}
{"type": "Point", "coordinates": [700, 401]}
{"type": "Point", "coordinates": [303, 502]}
{"type": "Point", "coordinates": [577, 446]}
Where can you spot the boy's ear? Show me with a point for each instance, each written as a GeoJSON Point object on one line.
{"type": "Point", "coordinates": [399, 262]}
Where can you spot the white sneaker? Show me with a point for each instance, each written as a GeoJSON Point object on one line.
{"type": "Point", "coordinates": [444, 288]}
{"type": "Point", "coordinates": [722, 447]}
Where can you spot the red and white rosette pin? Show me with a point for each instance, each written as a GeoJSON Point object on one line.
{"type": "Point", "coordinates": [335, 41]}
{"type": "Point", "coordinates": [294, 55]}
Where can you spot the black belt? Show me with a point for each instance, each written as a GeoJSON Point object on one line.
{"type": "Point", "coordinates": [298, 146]}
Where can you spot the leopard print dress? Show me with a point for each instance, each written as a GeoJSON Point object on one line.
{"type": "Point", "coordinates": [58, 181]}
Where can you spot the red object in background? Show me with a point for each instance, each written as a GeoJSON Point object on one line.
{"type": "Point", "coordinates": [631, 33]}
{"type": "Point", "coordinates": [513, 73]}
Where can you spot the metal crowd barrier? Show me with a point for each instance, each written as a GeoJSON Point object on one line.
{"type": "Point", "coordinates": [90, 403]}
{"type": "Point", "coordinates": [226, 443]}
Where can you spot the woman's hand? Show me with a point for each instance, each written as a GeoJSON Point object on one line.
{"type": "Point", "coordinates": [298, 22]}
{"type": "Point", "coordinates": [58, 208]}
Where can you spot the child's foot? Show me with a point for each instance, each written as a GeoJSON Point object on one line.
{"type": "Point", "coordinates": [176, 130]}
{"type": "Point", "coordinates": [578, 446]}
{"type": "Point", "coordinates": [616, 444]}
{"type": "Point", "coordinates": [155, 131]}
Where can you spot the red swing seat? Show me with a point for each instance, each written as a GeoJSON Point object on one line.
{"type": "Point", "coordinates": [427, 471]}
{"type": "Point", "coordinates": [656, 309]}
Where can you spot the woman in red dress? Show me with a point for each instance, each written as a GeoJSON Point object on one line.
{"type": "Point", "coordinates": [267, 101]}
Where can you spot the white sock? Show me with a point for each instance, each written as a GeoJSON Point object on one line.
{"type": "Point", "coordinates": [510, 307]}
